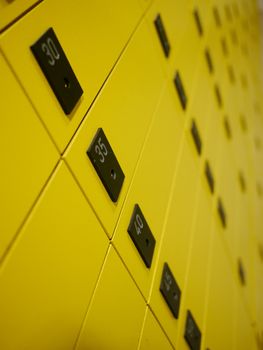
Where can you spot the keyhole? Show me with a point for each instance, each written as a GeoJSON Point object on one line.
{"type": "Point", "coordinates": [66, 83]}
{"type": "Point", "coordinates": [147, 241]}
{"type": "Point", "coordinates": [113, 174]}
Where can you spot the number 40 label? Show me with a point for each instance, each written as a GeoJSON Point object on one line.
{"type": "Point", "coordinates": [141, 235]}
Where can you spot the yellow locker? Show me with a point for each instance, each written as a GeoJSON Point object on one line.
{"type": "Point", "coordinates": [244, 332]}
{"type": "Point", "coordinates": [174, 21]}
{"type": "Point", "coordinates": [152, 336]}
{"type": "Point", "coordinates": [27, 157]}
{"type": "Point", "coordinates": [124, 111]}
{"type": "Point", "coordinates": [115, 316]}
{"type": "Point", "coordinates": [48, 277]}
{"type": "Point", "coordinates": [151, 187]}
{"type": "Point", "coordinates": [177, 229]}
{"type": "Point", "coordinates": [90, 35]}
{"type": "Point", "coordinates": [11, 10]}
{"type": "Point", "coordinates": [220, 307]}
{"type": "Point", "coordinates": [195, 291]}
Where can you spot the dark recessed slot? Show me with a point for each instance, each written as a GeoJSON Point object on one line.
{"type": "Point", "coordinates": [231, 74]}
{"type": "Point", "coordinates": [217, 17]}
{"type": "Point", "coordinates": [192, 333]}
{"type": "Point", "coordinates": [218, 96]}
{"type": "Point", "coordinates": [228, 13]}
{"type": "Point", "coordinates": [196, 137]}
{"type": "Point", "coordinates": [198, 22]}
{"type": "Point", "coordinates": [224, 47]}
{"type": "Point", "coordinates": [180, 90]}
{"type": "Point", "coordinates": [227, 128]}
{"type": "Point", "coordinates": [162, 35]}
{"type": "Point", "coordinates": [241, 272]}
{"type": "Point", "coordinates": [209, 177]}
{"type": "Point", "coordinates": [209, 61]}
{"type": "Point", "coordinates": [242, 182]}
{"type": "Point", "coordinates": [221, 212]}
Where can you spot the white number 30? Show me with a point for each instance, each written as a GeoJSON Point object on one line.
{"type": "Point", "coordinates": [51, 51]}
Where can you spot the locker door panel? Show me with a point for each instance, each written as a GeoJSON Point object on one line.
{"type": "Point", "coordinates": [115, 317]}
{"type": "Point", "coordinates": [177, 236]}
{"type": "Point", "coordinates": [220, 306]}
{"type": "Point", "coordinates": [151, 187]}
{"type": "Point", "coordinates": [195, 291]}
{"type": "Point", "coordinates": [11, 10]}
{"type": "Point", "coordinates": [27, 157]}
{"type": "Point", "coordinates": [90, 35]}
{"type": "Point", "coordinates": [49, 275]}
{"type": "Point", "coordinates": [153, 336]}
{"type": "Point", "coordinates": [124, 111]}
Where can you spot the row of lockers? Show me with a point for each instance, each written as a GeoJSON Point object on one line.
{"type": "Point", "coordinates": [181, 129]}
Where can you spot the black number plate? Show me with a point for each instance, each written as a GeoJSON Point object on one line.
{"type": "Point", "coordinates": [192, 333]}
{"type": "Point", "coordinates": [180, 90]}
{"type": "Point", "coordinates": [162, 35]}
{"type": "Point", "coordinates": [170, 290]}
{"type": "Point", "coordinates": [106, 164]}
{"type": "Point", "coordinates": [141, 235]}
{"type": "Point", "coordinates": [56, 68]}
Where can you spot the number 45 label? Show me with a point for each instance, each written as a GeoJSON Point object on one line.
{"type": "Point", "coordinates": [56, 68]}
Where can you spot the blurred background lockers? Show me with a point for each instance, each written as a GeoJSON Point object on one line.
{"type": "Point", "coordinates": [131, 191]}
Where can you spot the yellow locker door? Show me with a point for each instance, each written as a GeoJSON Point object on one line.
{"type": "Point", "coordinates": [195, 292]}
{"type": "Point", "coordinates": [11, 10]}
{"type": "Point", "coordinates": [27, 157]}
{"type": "Point", "coordinates": [124, 111]}
{"type": "Point", "coordinates": [115, 316]}
{"type": "Point", "coordinates": [220, 306]}
{"type": "Point", "coordinates": [48, 277]}
{"type": "Point", "coordinates": [177, 235]}
{"type": "Point", "coordinates": [151, 188]}
{"type": "Point", "coordinates": [90, 35]}
{"type": "Point", "coordinates": [153, 337]}
{"type": "Point", "coordinates": [244, 333]}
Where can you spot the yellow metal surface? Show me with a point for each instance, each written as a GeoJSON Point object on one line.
{"type": "Point", "coordinates": [10, 10]}
{"type": "Point", "coordinates": [70, 275]}
{"type": "Point", "coordinates": [220, 306]}
{"type": "Point", "coordinates": [177, 229]}
{"type": "Point", "coordinates": [153, 336]}
{"type": "Point", "coordinates": [124, 111]}
{"type": "Point", "coordinates": [195, 292]}
{"type": "Point", "coordinates": [115, 317]}
{"type": "Point", "coordinates": [27, 157]}
{"type": "Point", "coordinates": [92, 44]}
{"type": "Point", "coordinates": [154, 172]}
{"type": "Point", "coordinates": [47, 279]}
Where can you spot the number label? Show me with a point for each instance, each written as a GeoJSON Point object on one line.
{"type": "Point", "coordinates": [51, 51]}
{"type": "Point", "coordinates": [101, 150]}
{"type": "Point", "coordinates": [170, 290]}
{"type": "Point", "coordinates": [141, 235]}
{"type": "Point", "coordinates": [106, 164]}
{"type": "Point", "coordinates": [57, 70]}
{"type": "Point", "coordinates": [138, 224]}
{"type": "Point", "coordinates": [192, 333]}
